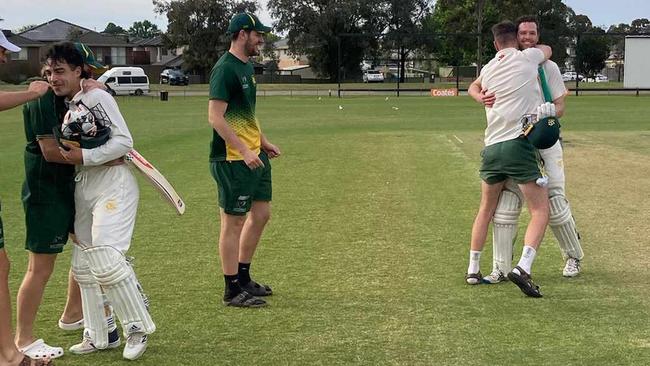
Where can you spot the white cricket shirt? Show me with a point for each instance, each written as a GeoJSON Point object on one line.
{"type": "Point", "coordinates": [512, 76]}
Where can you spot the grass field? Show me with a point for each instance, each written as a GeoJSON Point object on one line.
{"type": "Point", "coordinates": [368, 245]}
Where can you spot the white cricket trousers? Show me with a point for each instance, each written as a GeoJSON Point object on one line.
{"type": "Point", "coordinates": [106, 203]}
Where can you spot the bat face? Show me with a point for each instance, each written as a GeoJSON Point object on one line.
{"type": "Point", "coordinates": [157, 180]}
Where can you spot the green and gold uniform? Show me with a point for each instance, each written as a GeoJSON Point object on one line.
{"type": "Point", "coordinates": [48, 190]}
{"type": "Point", "coordinates": [233, 82]}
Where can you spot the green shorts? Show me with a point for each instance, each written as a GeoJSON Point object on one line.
{"type": "Point", "coordinates": [239, 186]}
{"type": "Point", "coordinates": [48, 225]}
{"type": "Point", "coordinates": [516, 159]}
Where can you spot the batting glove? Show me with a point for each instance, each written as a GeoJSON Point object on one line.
{"type": "Point", "coordinates": [545, 110]}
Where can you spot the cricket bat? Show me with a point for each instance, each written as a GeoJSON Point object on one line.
{"type": "Point", "coordinates": [157, 180]}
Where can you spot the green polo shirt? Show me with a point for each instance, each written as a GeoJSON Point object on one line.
{"type": "Point", "coordinates": [233, 82]}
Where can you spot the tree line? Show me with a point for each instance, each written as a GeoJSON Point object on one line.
{"type": "Point", "coordinates": [451, 32]}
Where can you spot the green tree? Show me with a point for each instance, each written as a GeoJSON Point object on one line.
{"type": "Point", "coordinates": [144, 29]}
{"type": "Point", "coordinates": [592, 49]}
{"type": "Point", "coordinates": [111, 28]}
{"type": "Point", "coordinates": [25, 28]}
{"type": "Point", "coordinates": [313, 27]}
{"type": "Point", "coordinates": [460, 24]}
{"type": "Point", "coordinates": [641, 25]}
{"type": "Point", "coordinates": [200, 26]}
{"type": "Point", "coordinates": [269, 49]}
{"type": "Point", "coordinates": [404, 31]}
{"type": "Point", "coordinates": [74, 34]}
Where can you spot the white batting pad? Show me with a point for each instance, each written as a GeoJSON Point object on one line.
{"type": "Point", "coordinates": [564, 227]}
{"type": "Point", "coordinates": [92, 300]}
{"type": "Point", "coordinates": [115, 275]}
{"type": "Point", "coordinates": [504, 233]}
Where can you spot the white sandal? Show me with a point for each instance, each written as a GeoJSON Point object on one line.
{"type": "Point", "coordinates": [40, 350]}
{"type": "Point", "coordinates": [79, 324]}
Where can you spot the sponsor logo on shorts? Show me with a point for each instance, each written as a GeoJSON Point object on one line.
{"type": "Point", "coordinates": [111, 205]}
{"type": "Point", "coordinates": [240, 205]}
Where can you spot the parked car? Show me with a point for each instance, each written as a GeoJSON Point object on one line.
{"type": "Point", "coordinates": [571, 76]}
{"type": "Point", "coordinates": [599, 78]}
{"type": "Point", "coordinates": [373, 76]}
{"type": "Point", "coordinates": [125, 81]}
{"type": "Point", "coordinates": [174, 77]}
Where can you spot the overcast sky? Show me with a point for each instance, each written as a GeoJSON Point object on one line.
{"type": "Point", "coordinates": [96, 14]}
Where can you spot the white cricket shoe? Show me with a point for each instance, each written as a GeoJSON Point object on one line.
{"type": "Point", "coordinates": [136, 344]}
{"type": "Point", "coordinates": [571, 268]}
{"type": "Point", "coordinates": [87, 346]}
{"type": "Point", "coordinates": [495, 277]}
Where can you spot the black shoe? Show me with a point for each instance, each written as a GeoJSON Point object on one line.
{"type": "Point", "coordinates": [244, 300]}
{"type": "Point", "coordinates": [525, 283]}
{"type": "Point", "coordinates": [256, 289]}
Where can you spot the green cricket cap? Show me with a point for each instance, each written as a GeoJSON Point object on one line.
{"type": "Point", "coordinates": [545, 133]}
{"type": "Point", "coordinates": [88, 56]}
{"type": "Point", "coordinates": [247, 21]}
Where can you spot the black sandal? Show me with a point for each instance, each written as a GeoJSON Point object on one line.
{"type": "Point", "coordinates": [257, 289]}
{"type": "Point", "coordinates": [245, 300]}
{"type": "Point", "coordinates": [525, 283]}
{"type": "Point", "coordinates": [474, 276]}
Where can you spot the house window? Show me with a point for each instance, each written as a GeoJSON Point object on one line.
{"type": "Point", "coordinates": [118, 55]}
{"type": "Point", "coordinates": [19, 56]}
{"type": "Point", "coordinates": [99, 55]}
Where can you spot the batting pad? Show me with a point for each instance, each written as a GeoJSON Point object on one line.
{"type": "Point", "coordinates": [504, 233]}
{"type": "Point", "coordinates": [115, 275]}
{"type": "Point", "coordinates": [92, 300]}
{"type": "Point", "coordinates": [564, 227]}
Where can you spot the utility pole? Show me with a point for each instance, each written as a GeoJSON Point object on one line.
{"type": "Point", "coordinates": [479, 37]}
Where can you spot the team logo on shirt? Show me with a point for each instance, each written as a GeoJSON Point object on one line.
{"type": "Point", "coordinates": [244, 82]}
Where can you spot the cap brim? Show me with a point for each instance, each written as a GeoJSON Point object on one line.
{"type": "Point", "coordinates": [96, 65]}
{"type": "Point", "coordinates": [10, 46]}
{"type": "Point", "coordinates": [262, 29]}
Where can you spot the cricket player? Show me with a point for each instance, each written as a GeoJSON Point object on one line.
{"type": "Point", "coordinates": [239, 161]}
{"type": "Point", "coordinates": [48, 202]}
{"type": "Point", "coordinates": [508, 209]}
{"type": "Point", "coordinates": [9, 353]}
{"type": "Point", "coordinates": [106, 199]}
{"type": "Point", "coordinates": [512, 77]}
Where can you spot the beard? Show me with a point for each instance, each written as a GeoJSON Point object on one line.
{"type": "Point", "coordinates": [252, 50]}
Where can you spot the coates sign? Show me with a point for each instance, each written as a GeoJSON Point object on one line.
{"type": "Point", "coordinates": [451, 92]}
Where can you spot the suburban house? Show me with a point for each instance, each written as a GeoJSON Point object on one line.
{"type": "Point", "coordinates": [111, 50]}
{"type": "Point", "coordinates": [153, 51]}
{"type": "Point", "coordinates": [23, 64]}
{"type": "Point", "coordinates": [291, 64]}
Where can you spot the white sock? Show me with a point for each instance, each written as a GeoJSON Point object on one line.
{"type": "Point", "coordinates": [527, 258]}
{"type": "Point", "coordinates": [474, 261]}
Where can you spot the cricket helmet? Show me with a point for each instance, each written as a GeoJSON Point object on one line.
{"type": "Point", "coordinates": [544, 133]}
{"type": "Point", "coordinates": [82, 125]}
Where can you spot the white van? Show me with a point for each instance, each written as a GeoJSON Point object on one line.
{"type": "Point", "coordinates": [125, 81]}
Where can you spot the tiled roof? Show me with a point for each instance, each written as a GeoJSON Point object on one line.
{"type": "Point", "coordinates": [57, 30]}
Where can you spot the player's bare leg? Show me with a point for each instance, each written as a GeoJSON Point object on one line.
{"type": "Point", "coordinates": [258, 217]}
{"type": "Point", "coordinates": [231, 229]}
{"type": "Point", "coordinates": [9, 354]}
{"type": "Point", "coordinates": [538, 206]}
{"type": "Point", "coordinates": [72, 317]}
{"type": "Point", "coordinates": [30, 295]}
{"type": "Point", "coordinates": [489, 198]}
